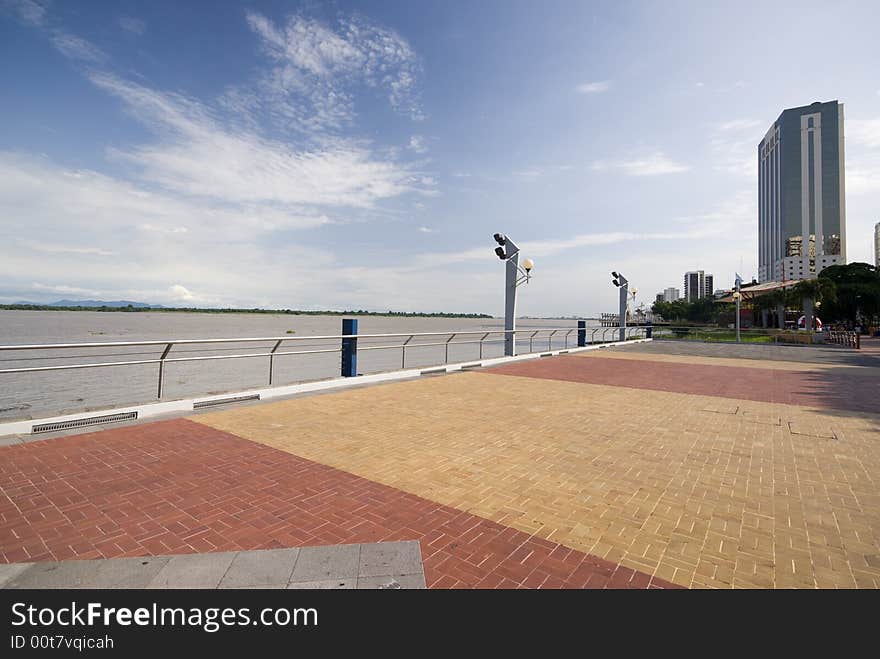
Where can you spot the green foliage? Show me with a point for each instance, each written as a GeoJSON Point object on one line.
{"type": "Point", "coordinates": [857, 292]}
{"type": "Point", "coordinates": [703, 310]}
{"type": "Point", "coordinates": [819, 290]}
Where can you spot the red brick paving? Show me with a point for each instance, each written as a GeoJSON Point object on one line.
{"type": "Point", "coordinates": [825, 388]}
{"type": "Point", "coordinates": [181, 487]}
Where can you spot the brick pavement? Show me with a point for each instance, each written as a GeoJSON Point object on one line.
{"type": "Point", "coordinates": [836, 388]}
{"type": "Point", "coordinates": [701, 490]}
{"type": "Point", "coordinates": [568, 471]}
{"type": "Point", "coordinates": [177, 487]}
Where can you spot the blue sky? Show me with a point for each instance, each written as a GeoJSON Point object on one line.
{"type": "Point", "coordinates": [361, 155]}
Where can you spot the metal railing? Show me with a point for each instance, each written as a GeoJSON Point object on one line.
{"type": "Point", "coordinates": [758, 335]}
{"type": "Point", "coordinates": [844, 338]}
{"type": "Point", "coordinates": [273, 348]}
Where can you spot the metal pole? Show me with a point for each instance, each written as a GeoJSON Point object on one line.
{"type": "Point", "coordinates": [162, 367]}
{"type": "Point", "coordinates": [403, 349]}
{"type": "Point", "coordinates": [512, 273]}
{"type": "Point", "coordinates": [738, 299]}
{"type": "Point", "coordinates": [624, 293]}
{"type": "Point", "coordinates": [446, 361]}
{"type": "Point", "coordinates": [272, 360]}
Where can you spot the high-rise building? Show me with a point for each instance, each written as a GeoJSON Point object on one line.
{"type": "Point", "coordinates": [801, 205]}
{"type": "Point", "coordinates": [697, 284]}
{"type": "Point", "coordinates": [877, 245]}
{"type": "Point", "coordinates": [671, 295]}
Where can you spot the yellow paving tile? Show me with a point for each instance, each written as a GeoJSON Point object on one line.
{"type": "Point", "coordinates": [646, 478]}
{"type": "Point", "coordinates": [775, 365]}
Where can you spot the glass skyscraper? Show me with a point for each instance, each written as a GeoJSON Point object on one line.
{"type": "Point", "coordinates": [801, 206]}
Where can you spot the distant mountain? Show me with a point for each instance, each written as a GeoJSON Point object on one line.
{"type": "Point", "coordinates": [95, 303]}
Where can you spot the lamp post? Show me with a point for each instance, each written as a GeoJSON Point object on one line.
{"type": "Point", "coordinates": [738, 297]}
{"type": "Point", "coordinates": [622, 284]}
{"type": "Point", "coordinates": [515, 275]}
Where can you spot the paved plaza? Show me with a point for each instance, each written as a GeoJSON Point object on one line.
{"type": "Point", "coordinates": [658, 465]}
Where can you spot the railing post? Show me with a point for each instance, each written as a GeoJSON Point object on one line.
{"type": "Point", "coordinates": [349, 347]}
{"type": "Point", "coordinates": [162, 368]}
{"type": "Point", "coordinates": [582, 333]}
{"type": "Point", "coordinates": [446, 361]}
{"type": "Point", "coordinates": [550, 340]}
{"type": "Point", "coordinates": [403, 357]}
{"type": "Point", "coordinates": [649, 330]}
{"type": "Point", "coordinates": [481, 343]}
{"type": "Point", "coordinates": [272, 360]}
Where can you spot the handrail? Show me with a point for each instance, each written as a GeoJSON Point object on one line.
{"type": "Point", "coordinates": [50, 346]}
{"type": "Point", "coordinates": [278, 343]}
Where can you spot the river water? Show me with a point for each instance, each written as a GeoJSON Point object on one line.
{"type": "Point", "coordinates": [40, 394]}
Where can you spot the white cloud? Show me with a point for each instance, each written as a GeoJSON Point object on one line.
{"type": "Point", "coordinates": [198, 156]}
{"type": "Point", "coordinates": [165, 230]}
{"type": "Point", "coordinates": [61, 289]}
{"type": "Point", "coordinates": [529, 173]}
{"type": "Point", "coordinates": [48, 248]}
{"type": "Point", "coordinates": [864, 132]}
{"type": "Point", "coordinates": [739, 125]}
{"type": "Point", "coordinates": [316, 67]}
{"type": "Point", "coordinates": [733, 146]}
{"type": "Point", "coordinates": [863, 177]}
{"type": "Point", "coordinates": [132, 24]}
{"type": "Point", "coordinates": [76, 48]}
{"type": "Point", "coordinates": [426, 230]}
{"type": "Point", "coordinates": [29, 12]}
{"type": "Point", "coordinates": [593, 87]}
{"type": "Point", "coordinates": [417, 144]}
{"type": "Point", "coordinates": [181, 293]}
{"type": "Point", "coordinates": [88, 210]}
{"type": "Point", "coordinates": [655, 164]}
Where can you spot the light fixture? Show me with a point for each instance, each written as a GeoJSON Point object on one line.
{"type": "Point", "coordinates": [500, 238]}
{"type": "Point", "coordinates": [500, 252]}
{"type": "Point", "coordinates": [528, 264]}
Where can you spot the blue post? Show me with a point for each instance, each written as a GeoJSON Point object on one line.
{"type": "Point", "coordinates": [349, 348]}
{"type": "Point", "coordinates": [582, 333]}
{"type": "Point", "coordinates": [648, 330]}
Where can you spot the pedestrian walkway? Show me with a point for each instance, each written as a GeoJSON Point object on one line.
{"type": "Point", "coordinates": [610, 470]}
{"type": "Point", "coordinates": [384, 565]}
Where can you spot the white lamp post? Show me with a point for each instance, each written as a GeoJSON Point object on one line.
{"type": "Point", "coordinates": [515, 275]}
{"type": "Point", "coordinates": [738, 297]}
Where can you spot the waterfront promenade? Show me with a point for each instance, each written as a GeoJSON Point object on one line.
{"type": "Point", "coordinates": [653, 465]}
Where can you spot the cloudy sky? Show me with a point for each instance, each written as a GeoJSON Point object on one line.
{"type": "Point", "coordinates": [361, 155]}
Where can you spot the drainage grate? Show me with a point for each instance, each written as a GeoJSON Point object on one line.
{"type": "Point", "coordinates": [86, 421]}
{"type": "Point", "coordinates": [563, 352]}
{"type": "Point", "coordinates": [546, 354]}
{"type": "Point", "coordinates": [223, 401]}
{"type": "Point", "coordinates": [432, 371]}
{"type": "Point", "coordinates": [476, 365]}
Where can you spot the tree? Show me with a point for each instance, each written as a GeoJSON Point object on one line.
{"type": "Point", "coordinates": [818, 290]}
{"type": "Point", "coordinates": [698, 311]}
{"type": "Point", "coordinates": [857, 288]}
